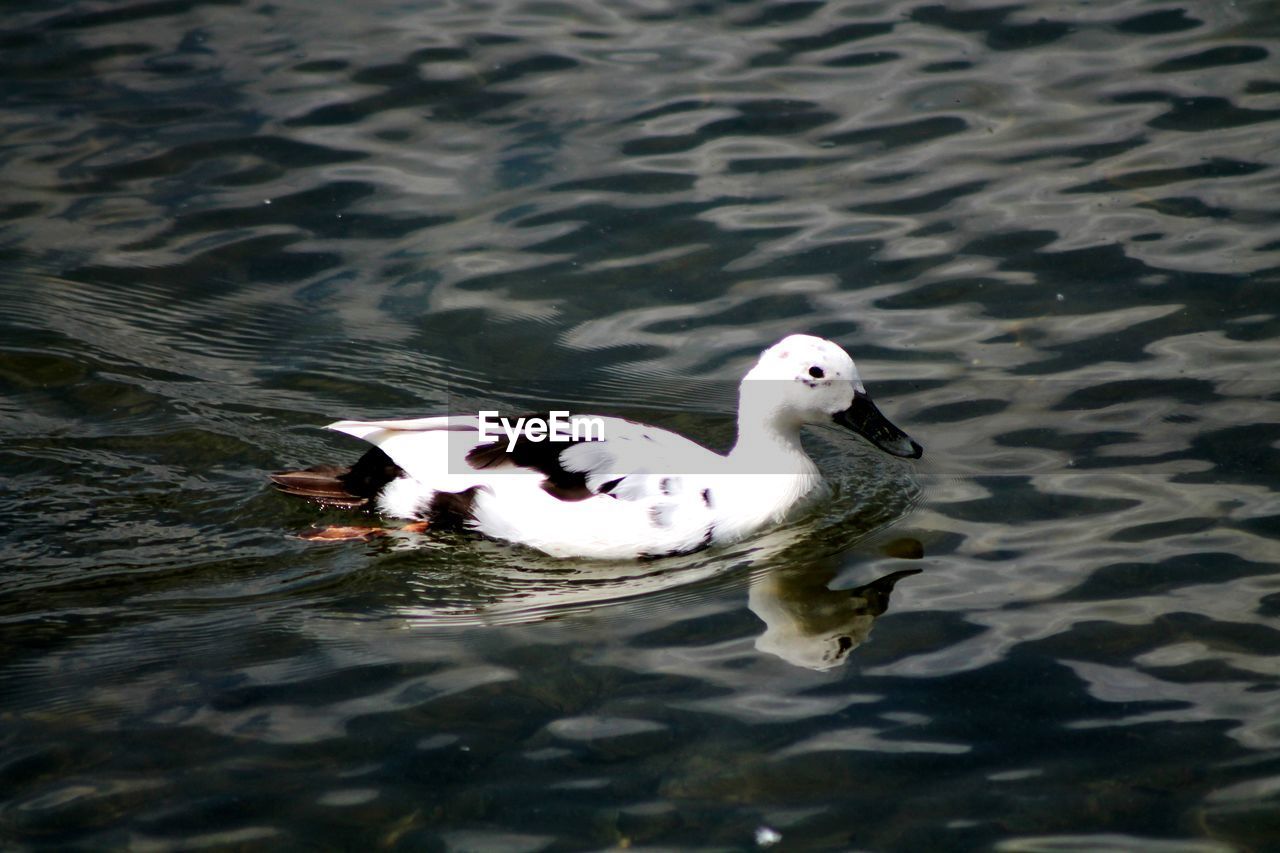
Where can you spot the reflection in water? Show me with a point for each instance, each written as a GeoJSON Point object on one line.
{"type": "Point", "coordinates": [807, 623]}
{"type": "Point", "coordinates": [811, 625]}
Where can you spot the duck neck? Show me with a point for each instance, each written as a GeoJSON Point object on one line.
{"type": "Point", "coordinates": [769, 443]}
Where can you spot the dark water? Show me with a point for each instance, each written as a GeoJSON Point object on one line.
{"type": "Point", "coordinates": [1048, 232]}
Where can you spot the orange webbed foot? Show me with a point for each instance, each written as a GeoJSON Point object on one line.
{"type": "Point", "coordinates": [341, 533]}
{"type": "Point", "coordinates": [345, 533]}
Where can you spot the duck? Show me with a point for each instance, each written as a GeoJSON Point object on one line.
{"type": "Point", "coordinates": [603, 487]}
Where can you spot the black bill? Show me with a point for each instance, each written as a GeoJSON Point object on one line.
{"type": "Point", "coordinates": [865, 419]}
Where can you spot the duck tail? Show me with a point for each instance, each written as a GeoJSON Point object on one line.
{"type": "Point", "coordinates": [320, 483]}
{"type": "Point", "coordinates": [337, 486]}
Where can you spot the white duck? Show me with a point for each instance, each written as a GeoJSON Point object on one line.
{"type": "Point", "coordinates": [613, 488]}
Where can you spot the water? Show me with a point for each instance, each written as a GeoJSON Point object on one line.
{"type": "Point", "coordinates": [1047, 232]}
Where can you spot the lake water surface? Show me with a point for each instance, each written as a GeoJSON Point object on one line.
{"type": "Point", "coordinates": [1048, 232]}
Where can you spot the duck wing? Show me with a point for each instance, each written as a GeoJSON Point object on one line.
{"type": "Point", "coordinates": [620, 490]}
{"type": "Point", "coordinates": [606, 457]}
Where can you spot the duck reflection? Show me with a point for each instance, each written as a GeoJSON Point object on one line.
{"type": "Point", "coordinates": [809, 624]}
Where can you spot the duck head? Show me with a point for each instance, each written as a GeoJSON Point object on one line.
{"type": "Point", "coordinates": [803, 379]}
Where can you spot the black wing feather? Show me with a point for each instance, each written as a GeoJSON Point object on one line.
{"type": "Point", "coordinates": [540, 456]}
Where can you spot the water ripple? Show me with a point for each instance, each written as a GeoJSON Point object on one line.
{"type": "Point", "coordinates": [1046, 232]}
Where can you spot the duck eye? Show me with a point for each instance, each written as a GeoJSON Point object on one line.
{"type": "Point", "coordinates": [816, 372]}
